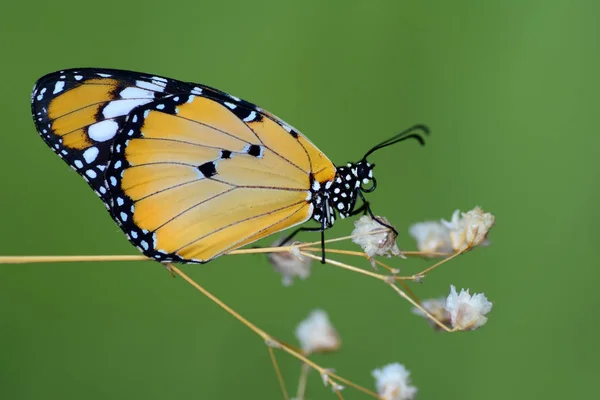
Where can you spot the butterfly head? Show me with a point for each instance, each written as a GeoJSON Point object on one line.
{"type": "Point", "coordinates": [349, 181]}
{"type": "Point", "coordinates": [352, 180]}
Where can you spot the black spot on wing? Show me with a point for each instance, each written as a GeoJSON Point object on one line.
{"type": "Point", "coordinates": [254, 150]}
{"type": "Point", "coordinates": [208, 169]}
{"type": "Point", "coordinates": [225, 154]}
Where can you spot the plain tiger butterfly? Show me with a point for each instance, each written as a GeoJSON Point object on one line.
{"type": "Point", "coordinates": [189, 172]}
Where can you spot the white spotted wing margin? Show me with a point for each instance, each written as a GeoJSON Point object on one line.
{"type": "Point", "coordinates": [80, 112]}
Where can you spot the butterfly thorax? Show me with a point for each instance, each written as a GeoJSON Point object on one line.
{"type": "Point", "coordinates": [339, 195]}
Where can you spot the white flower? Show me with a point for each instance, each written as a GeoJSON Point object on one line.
{"type": "Point", "coordinates": [316, 334]}
{"type": "Point", "coordinates": [393, 382]}
{"type": "Point", "coordinates": [467, 312]}
{"type": "Point", "coordinates": [290, 264]}
{"type": "Point", "coordinates": [375, 244]}
{"type": "Point", "coordinates": [471, 230]}
{"type": "Point", "coordinates": [435, 307]}
{"type": "Point", "coordinates": [432, 237]}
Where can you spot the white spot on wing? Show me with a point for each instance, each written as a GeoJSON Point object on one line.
{"type": "Point", "coordinates": [40, 95]}
{"type": "Point", "coordinates": [116, 108]}
{"type": "Point", "coordinates": [150, 86]}
{"type": "Point", "coordinates": [136, 93]}
{"type": "Point", "coordinates": [250, 117]}
{"type": "Point", "coordinates": [58, 87]}
{"type": "Point", "coordinates": [90, 154]}
{"type": "Point", "coordinates": [103, 130]}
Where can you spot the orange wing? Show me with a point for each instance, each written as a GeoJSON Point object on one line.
{"type": "Point", "coordinates": [187, 171]}
{"type": "Point", "coordinates": [195, 177]}
{"type": "Point", "coordinates": [79, 113]}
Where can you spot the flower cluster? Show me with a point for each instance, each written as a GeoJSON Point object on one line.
{"type": "Point", "coordinates": [393, 382]}
{"type": "Point", "coordinates": [316, 334]}
{"type": "Point", "coordinates": [290, 264]}
{"type": "Point", "coordinates": [463, 311]}
{"type": "Point", "coordinates": [458, 311]}
{"type": "Point", "coordinates": [463, 232]}
{"type": "Point", "coordinates": [375, 237]}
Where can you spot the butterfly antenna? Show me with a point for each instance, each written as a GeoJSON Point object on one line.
{"type": "Point", "coordinates": [417, 132]}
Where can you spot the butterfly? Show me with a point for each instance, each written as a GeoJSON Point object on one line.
{"type": "Point", "coordinates": [189, 172]}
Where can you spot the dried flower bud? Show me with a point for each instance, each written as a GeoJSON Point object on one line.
{"type": "Point", "coordinates": [431, 237]}
{"type": "Point", "coordinates": [317, 335]}
{"type": "Point", "coordinates": [435, 307]}
{"type": "Point", "coordinates": [467, 312]}
{"type": "Point", "coordinates": [375, 244]}
{"type": "Point", "coordinates": [325, 375]}
{"type": "Point", "coordinates": [336, 387]}
{"type": "Point", "coordinates": [471, 230]}
{"type": "Point", "coordinates": [393, 382]}
{"type": "Point", "coordinates": [290, 264]}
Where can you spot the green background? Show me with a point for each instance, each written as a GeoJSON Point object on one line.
{"type": "Point", "coordinates": [509, 89]}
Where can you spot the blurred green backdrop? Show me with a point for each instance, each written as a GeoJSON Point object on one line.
{"type": "Point", "coordinates": [510, 90]}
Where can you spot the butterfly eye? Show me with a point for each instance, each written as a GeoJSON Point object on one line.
{"type": "Point", "coordinates": [368, 189]}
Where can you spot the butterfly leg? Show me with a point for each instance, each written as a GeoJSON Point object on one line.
{"type": "Point", "coordinates": [325, 214]}
{"type": "Point", "coordinates": [304, 229]}
{"type": "Point", "coordinates": [297, 231]}
{"type": "Point", "coordinates": [366, 208]}
{"type": "Point", "coordinates": [362, 209]}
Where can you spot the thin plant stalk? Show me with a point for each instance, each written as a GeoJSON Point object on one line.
{"type": "Point", "coordinates": [278, 373]}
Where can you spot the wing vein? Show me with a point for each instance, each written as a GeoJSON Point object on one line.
{"type": "Point", "coordinates": [97, 103]}
{"type": "Point", "coordinates": [192, 207]}
{"type": "Point", "coordinates": [264, 229]}
{"type": "Point", "coordinates": [261, 187]}
{"type": "Point", "coordinates": [165, 189]}
{"type": "Point", "coordinates": [211, 127]}
{"type": "Point", "coordinates": [240, 221]}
